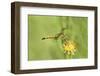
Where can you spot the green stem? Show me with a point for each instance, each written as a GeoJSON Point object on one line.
{"type": "Point", "coordinates": [68, 56]}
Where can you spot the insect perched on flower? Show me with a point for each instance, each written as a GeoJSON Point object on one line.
{"type": "Point", "coordinates": [69, 45]}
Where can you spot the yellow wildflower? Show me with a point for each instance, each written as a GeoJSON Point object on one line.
{"type": "Point", "coordinates": [69, 47]}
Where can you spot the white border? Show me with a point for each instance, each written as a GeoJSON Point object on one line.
{"type": "Point", "coordinates": [25, 64]}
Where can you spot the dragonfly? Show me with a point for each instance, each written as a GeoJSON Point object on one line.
{"type": "Point", "coordinates": [69, 45]}
{"type": "Point", "coordinates": [57, 36]}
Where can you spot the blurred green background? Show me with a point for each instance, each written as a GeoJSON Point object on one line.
{"type": "Point", "coordinates": [49, 49]}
